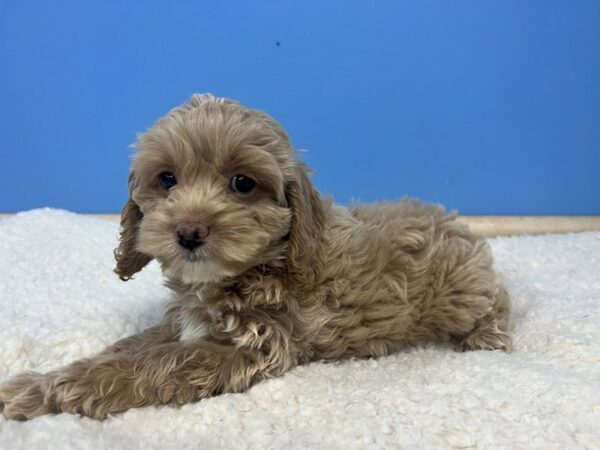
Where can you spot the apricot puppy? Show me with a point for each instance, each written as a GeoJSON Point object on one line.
{"type": "Point", "coordinates": [265, 273]}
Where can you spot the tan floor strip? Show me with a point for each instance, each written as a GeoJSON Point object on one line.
{"type": "Point", "coordinates": [503, 225]}
{"type": "Point", "coordinates": [515, 225]}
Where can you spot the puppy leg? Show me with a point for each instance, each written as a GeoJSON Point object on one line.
{"type": "Point", "coordinates": [109, 383]}
{"type": "Point", "coordinates": [491, 332]}
{"type": "Point", "coordinates": [471, 305]}
{"type": "Point", "coordinates": [167, 331]}
{"type": "Point", "coordinates": [24, 396]}
{"type": "Point", "coordinates": [151, 337]}
{"type": "Point", "coordinates": [28, 395]}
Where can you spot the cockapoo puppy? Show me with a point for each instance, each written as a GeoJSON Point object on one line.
{"type": "Point", "coordinates": [266, 274]}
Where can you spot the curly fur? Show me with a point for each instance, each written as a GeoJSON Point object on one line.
{"type": "Point", "coordinates": [285, 276]}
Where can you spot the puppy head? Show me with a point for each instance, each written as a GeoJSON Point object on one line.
{"type": "Point", "coordinates": [215, 190]}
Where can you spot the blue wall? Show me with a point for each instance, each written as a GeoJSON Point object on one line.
{"type": "Point", "coordinates": [491, 107]}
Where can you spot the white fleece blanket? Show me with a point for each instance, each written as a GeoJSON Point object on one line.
{"type": "Point", "coordinates": [59, 301]}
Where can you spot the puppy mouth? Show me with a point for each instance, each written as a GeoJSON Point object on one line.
{"type": "Point", "coordinates": [194, 256]}
{"type": "Point", "coordinates": [198, 254]}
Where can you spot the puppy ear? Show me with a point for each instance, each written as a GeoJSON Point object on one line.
{"type": "Point", "coordinates": [129, 260]}
{"type": "Point", "coordinates": [305, 248]}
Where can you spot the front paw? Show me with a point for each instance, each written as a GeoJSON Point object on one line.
{"type": "Point", "coordinates": [26, 396]}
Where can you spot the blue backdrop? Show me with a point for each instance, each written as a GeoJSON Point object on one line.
{"type": "Point", "coordinates": [491, 107]}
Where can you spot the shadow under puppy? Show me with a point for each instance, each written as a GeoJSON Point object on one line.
{"type": "Point", "coordinates": [266, 274]}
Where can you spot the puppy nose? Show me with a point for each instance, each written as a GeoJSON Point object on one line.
{"type": "Point", "coordinates": [191, 235]}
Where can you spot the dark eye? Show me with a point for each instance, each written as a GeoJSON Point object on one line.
{"type": "Point", "coordinates": [242, 184]}
{"type": "Point", "coordinates": [167, 180]}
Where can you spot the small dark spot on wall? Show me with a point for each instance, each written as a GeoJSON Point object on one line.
{"type": "Point", "coordinates": [278, 44]}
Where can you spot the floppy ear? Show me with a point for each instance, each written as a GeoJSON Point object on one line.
{"type": "Point", "coordinates": [305, 248]}
{"type": "Point", "coordinates": [129, 260]}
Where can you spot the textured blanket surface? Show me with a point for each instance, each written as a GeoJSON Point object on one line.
{"type": "Point", "coordinates": [60, 301]}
